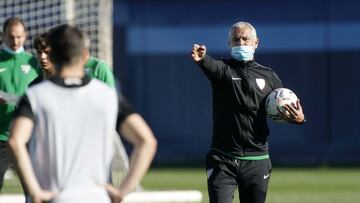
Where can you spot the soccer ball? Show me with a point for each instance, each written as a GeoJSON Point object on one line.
{"type": "Point", "coordinates": [277, 99]}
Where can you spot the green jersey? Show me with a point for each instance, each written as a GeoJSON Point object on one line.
{"type": "Point", "coordinates": [98, 69]}
{"type": "Point", "coordinates": [16, 73]}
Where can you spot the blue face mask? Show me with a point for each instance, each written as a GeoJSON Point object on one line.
{"type": "Point", "coordinates": [10, 51]}
{"type": "Point", "coordinates": [243, 53]}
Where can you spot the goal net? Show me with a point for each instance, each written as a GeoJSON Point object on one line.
{"type": "Point", "coordinates": [120, 162]}
{"type": "Point", "coordinates": [94, 17]}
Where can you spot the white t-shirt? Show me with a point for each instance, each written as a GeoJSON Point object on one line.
{"type": "Point", "coordinates": [72, 146]}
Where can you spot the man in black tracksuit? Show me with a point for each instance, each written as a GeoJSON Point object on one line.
{"type": "Point", "coordinates": [239, 151]}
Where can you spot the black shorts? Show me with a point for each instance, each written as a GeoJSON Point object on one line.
{"type": "Point", "coordinates": [225, 174]}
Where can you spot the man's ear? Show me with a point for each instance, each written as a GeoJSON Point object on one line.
{"type": "Point", "coordinates": [86, 55]}
{"type": "Point", "coordinates": [229, 43]}
{"type": "Point", "coordinates": [256, 42]}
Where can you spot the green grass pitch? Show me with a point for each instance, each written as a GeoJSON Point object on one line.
{"type": "Point", "coordinates": [287, 185]}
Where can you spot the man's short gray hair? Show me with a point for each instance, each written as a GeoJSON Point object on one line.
{"type": "Point", "coordinates": [240, 25]}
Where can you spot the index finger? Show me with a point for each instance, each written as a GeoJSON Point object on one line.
{"type": "Point", "coordinates": [202, 47]}
{"type": "Point", "coordinates": [196, 46]}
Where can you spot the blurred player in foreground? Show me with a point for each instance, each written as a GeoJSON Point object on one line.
{"type": "Point", "coordinates": [239, 155]}
{"type": "Point", "coordinates": [68, 122]}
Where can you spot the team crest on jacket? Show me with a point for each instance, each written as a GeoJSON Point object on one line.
{"type": "Point", "coordinates": [25, 68]}
{"type": "Point", "coordinates": [260, 82]}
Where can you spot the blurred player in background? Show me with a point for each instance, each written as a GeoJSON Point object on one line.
{"type": "Point", "coordinates": [94, 67]}
{"type": "Point", "coordinates": [68, 122]}
{"type": "Point", "coordinates": [239, 154]}
{"type": "Point", "coordinates": [17, 69]}
{"type": "Point", "coordinates": [42, 49]}
{"type": "Point", "coordinates": [97, 68]}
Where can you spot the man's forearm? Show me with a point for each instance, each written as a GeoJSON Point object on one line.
{"type": "Point", "coordinates": [24, 167]}
{"type": "Point", "coordinates": [211, 67]}
{"type": "Point", "coordinates": [140, 161]}
{"type": "Point", "coordinates": [20, 134]}
{"type": "Point", "coordinates": [138, 133]}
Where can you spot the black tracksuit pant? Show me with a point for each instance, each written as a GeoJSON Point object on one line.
{"type": "Point", "coordinates": [225, 174]}
{"type": "Point", "coordinates": [4, 161]}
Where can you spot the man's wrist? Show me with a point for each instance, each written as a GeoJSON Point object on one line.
{"type": "Point", "coordinates": [201, 60]}
{"type": "Point", "coordinates": [301, 122]}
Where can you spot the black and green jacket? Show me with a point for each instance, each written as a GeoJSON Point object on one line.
{"type": "Point", "coordinates": [239, 91]}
